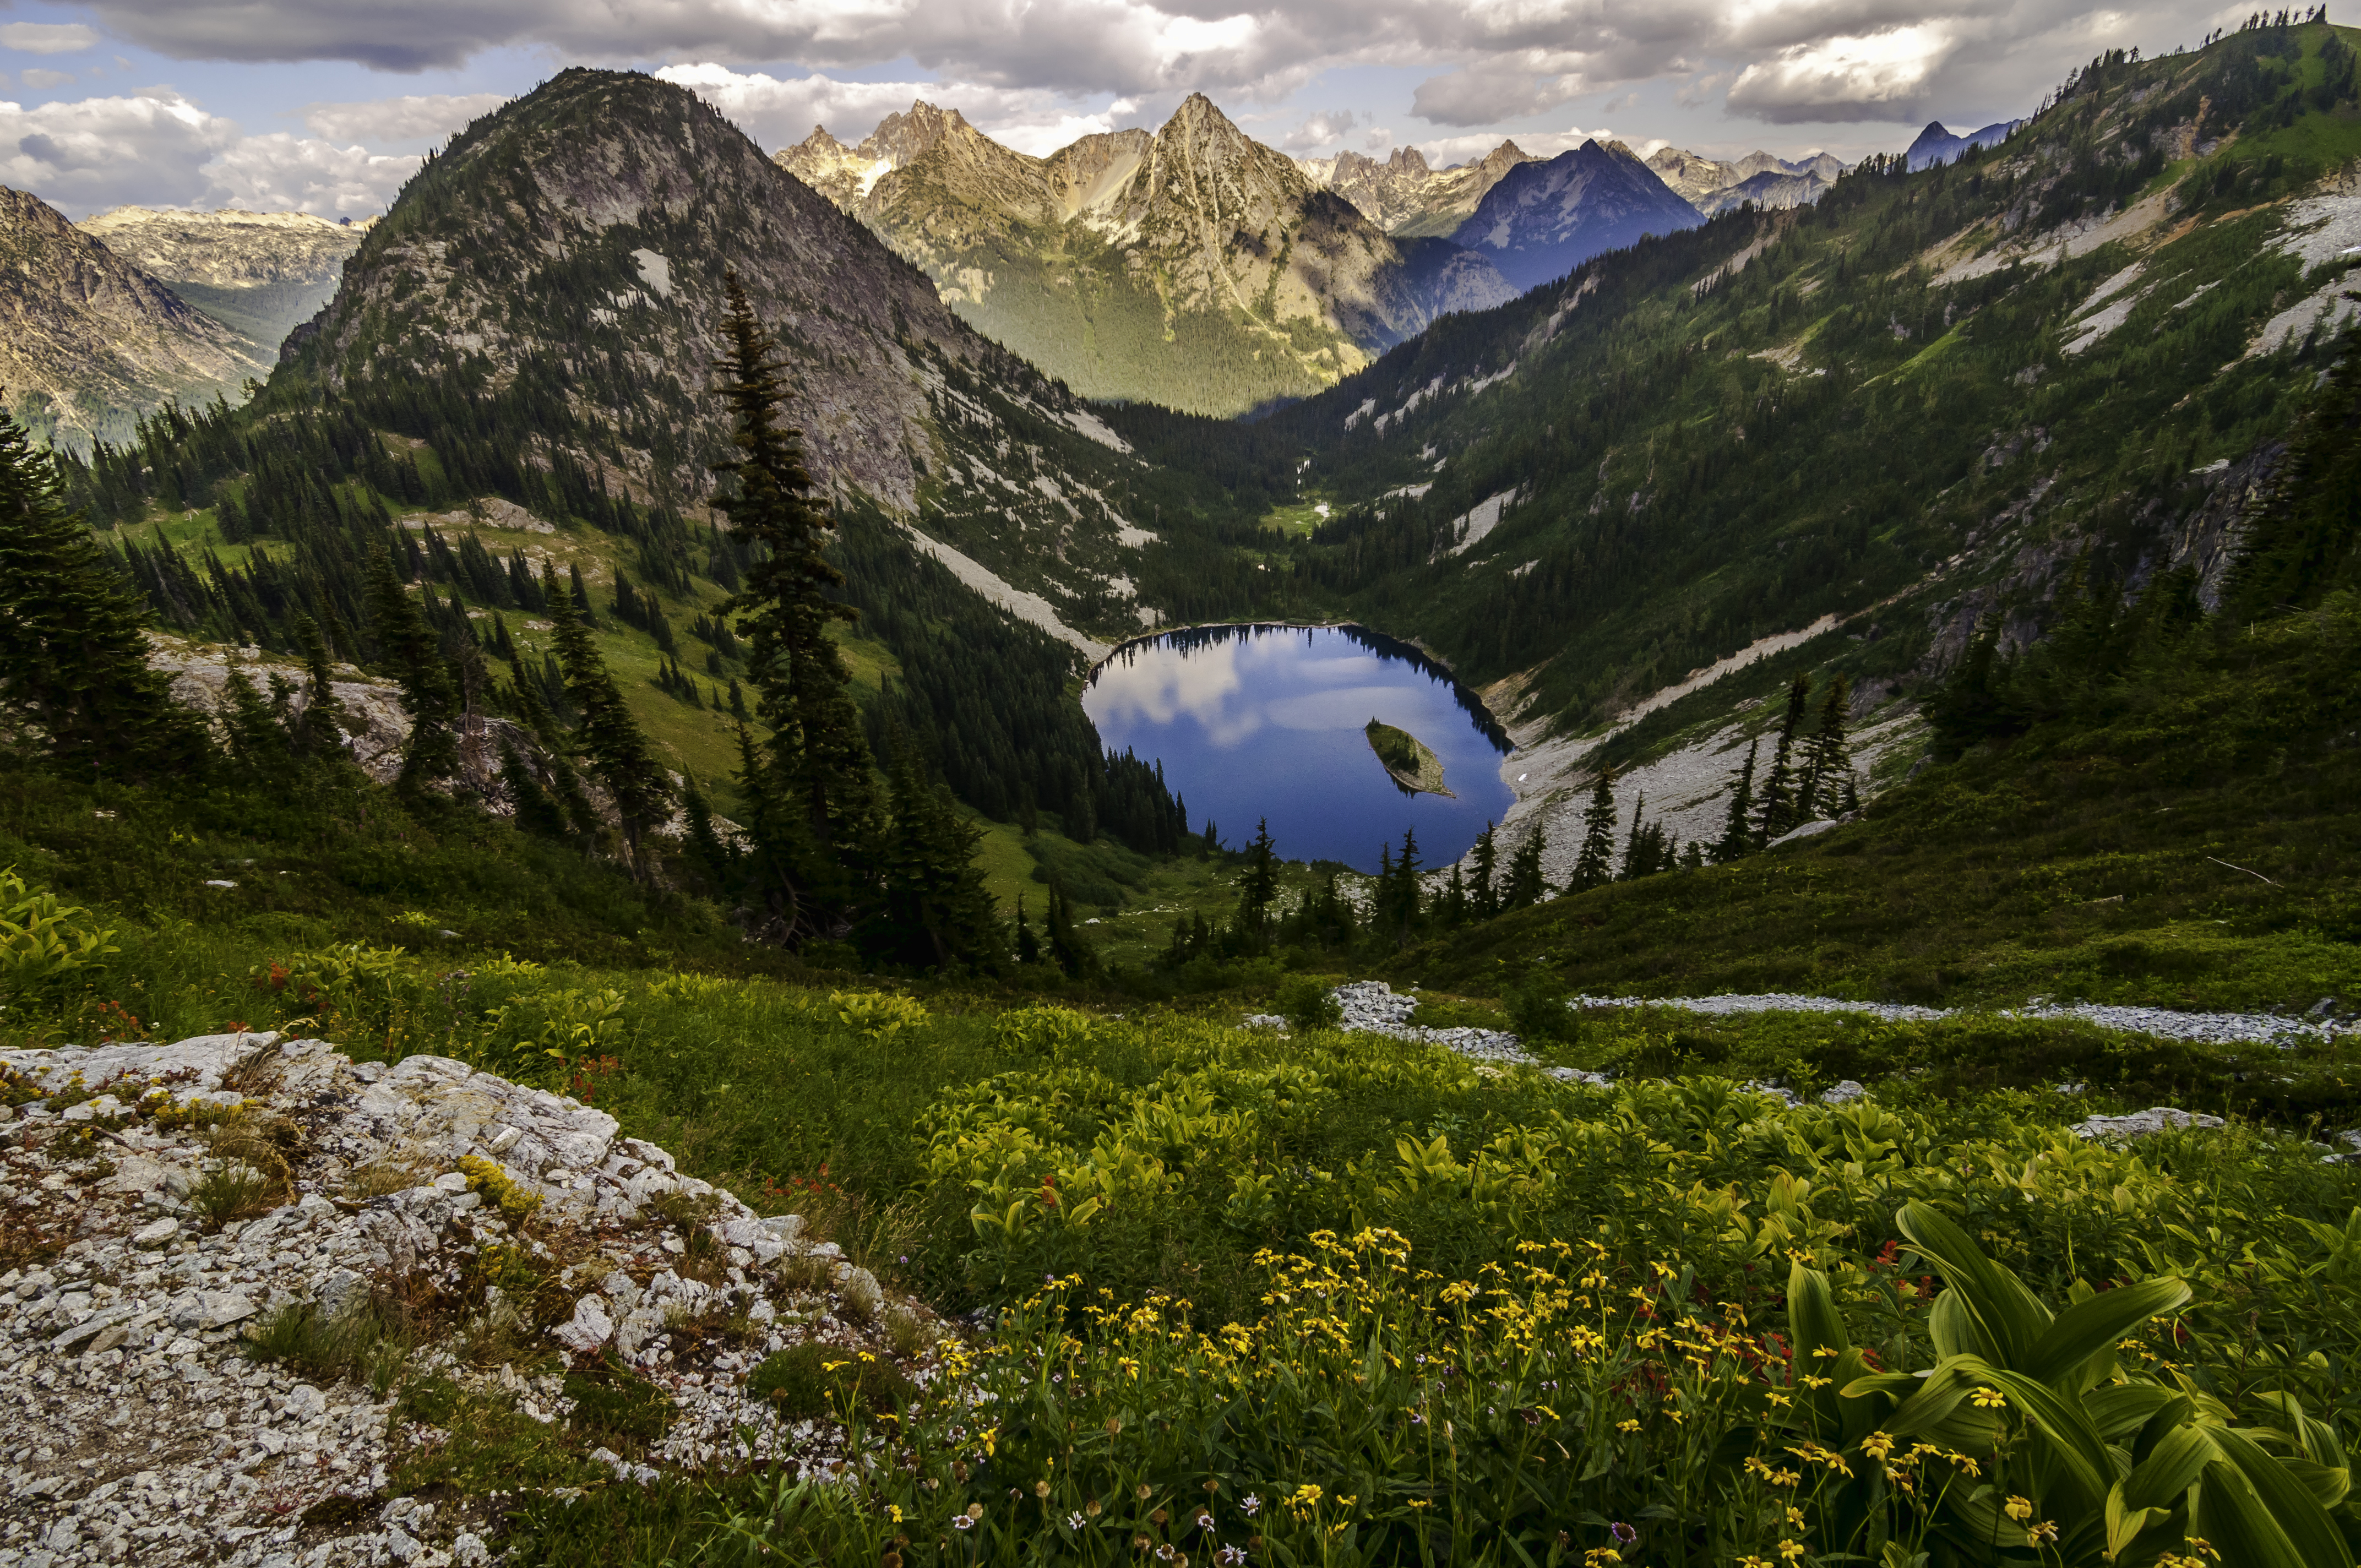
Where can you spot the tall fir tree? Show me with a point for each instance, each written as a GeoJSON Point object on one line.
{"type": "Point", "coordinates": [73, 646]}
{"type": "Point", "coordinates": [1780, 805]}
{"type": "Point", "coordinates": [817, 747]}
{"type": "Point", "coordinates": [1028, 946]}
{"type": "Point", "coordinates": [1483, 896]}
{"type": "Point", "coordinates": [609, 738]}
{"type": "Point", "coordinates": [1596, 863]}
{"type": "Point", "coordinates": [1258, 884]}
{"type": "Point", "coordinates": [812, 787]}
{"type": "Point", "coordinates": [1827, 761]}
{"type": "Point", "coordinates": [415, 651]}
{"type": "Point", "coordinates": [1738, 832]}
{"type": "Point", "coordinates": [932, 909]}
{"type": "Point", "coordinates": [1526, 885]}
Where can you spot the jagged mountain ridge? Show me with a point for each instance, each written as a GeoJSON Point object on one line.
{"type": "Point", "coordinates": [1407, 198]}
{"type": "Point", "coordinates": [1193, 267]}
{"type": "Point", "coordinates": [553, 281]}
{"type": "Point", "coordinates": [1541, 220]}
{"type": "Point", "coordinates": [93, 341]}
{"type": "Point", "coordinates": [257, 273]}
{"type": "Point", "coordinates": [1765, 179]}
{"type": "Point", "coordinates": [1935, 144]}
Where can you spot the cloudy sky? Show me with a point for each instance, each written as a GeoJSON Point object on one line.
{"type": "Point", "coordinates": [326, 105]}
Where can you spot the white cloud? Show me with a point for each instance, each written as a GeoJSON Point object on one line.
{"type": "Point", "coordinates": [1319, 130]}
{"type": "Point", "coordinates": [42, 80]}
{"type": "Point", "coordinates": [156, 149]}
{"type": "Point", "coordinates": [47, 37]}
{"type": "Point", "coordinates": [414, 118]}
{"type": "Point", "coordinates": [1884, 76]}
{"type": "Point", "coordinates": [777, 113]}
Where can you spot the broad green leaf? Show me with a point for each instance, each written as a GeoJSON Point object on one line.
{"type": "Point", "coordinates": [2008, 1313]}
{"type": "Point", "coordinates": [2122, 1408]}
{"type": "Point", "coordinates": [2080, 1332]}
{"type": "Point", "coordinates": [2170, 1468]}
{"type": "Point", "coordinates": [2232, 1518]}
{"type": "Point", "coordinates": [2072, 1438]}
{"type": "Point", "coordinates": [2125, 1523]}
{"type": "Point", "coordinates": [2314, 1536]}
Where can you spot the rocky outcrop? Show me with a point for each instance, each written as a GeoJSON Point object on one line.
{"type": "Point", "coordinates": [1765, 179]}
{"type": "Point", "coordinates": [144, 1431]}
{"type": "Point", "coordinates": [257, 273]}
{"type": "Point", "coordinates": [1935, 144]}
{"type": "Point", "coordinates": [89, 341]}
{"type": "Point", "coordinates": [1543, 220]}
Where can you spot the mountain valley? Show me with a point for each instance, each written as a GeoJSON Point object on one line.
{"type": "Point", "coordinates": [903, 853]}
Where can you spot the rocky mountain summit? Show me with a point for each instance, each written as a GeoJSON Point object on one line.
{"type": "Point", "coordinates": [1937, 144]}
{"type": "Point", "coordinates": [1194, 265]}
{"type": "Point", "coordinates": [193, 1230]}
{"type": "Point", "coordinates": [1405, 197]}
{"type": "Point", "coordinates": [557, 275]}
{"type": "Point", "coordinates": [91, 341]}
{"type": "Point", "coordinates": [1543, 220]}
{"type": "Point", "coordinates": [257, 273]}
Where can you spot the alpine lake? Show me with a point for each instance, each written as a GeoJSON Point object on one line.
{"type": "Point", "coordinates": [1337, 735]}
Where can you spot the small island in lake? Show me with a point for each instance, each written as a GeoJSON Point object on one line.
{"type": "Point", "coordinates": [1417, 770]}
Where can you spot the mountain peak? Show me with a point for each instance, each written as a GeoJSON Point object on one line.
{"type": "Point", "coordinates": [899, 138]}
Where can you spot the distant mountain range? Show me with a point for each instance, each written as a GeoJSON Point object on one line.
{"type": "Point", "coordinates": [1543, 220]}
{"type": "Point", "coordinates": [1937, 145]}
{"type": "Point", "coordinates": [258, 273]}
{"type": "Point", "coordinates": [1406, 198]}
{"type": "Point", "coordinates": [94, 341]}
{"type": "Point", "coordinates": [1193, 266]}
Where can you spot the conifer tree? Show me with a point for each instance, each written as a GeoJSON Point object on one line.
{"type": "Point", "coordinates": [932, 909]}
{"type": "Point", "coordinates": [704, 842]}
{"type": "Point", "coordinates": [1635, 849]}
{"type": "Point", "coordinates": [1738, 832]}
{"type": "Point", "coordinates": [1483, 898]}
{"type": "Point", "coordinates": [1452, 908]}
{"type": "Point", "coordinates": [320, 731]}
{"type": "Point", "coordinates": [1827, 762]}
{"type": "Point", "coordinates": [1596, 863]}
{"type": "Point", "coordinates": [1780, 807]}
{"type": "Point", "coordinates": [1066, 948]}
{"type": "Point", "coordinates": [1526, 886]}
{"type": "Point", "coordinates": [817, 750]}
{"type": "Point", "coordinates": [73, 650]}
{"type": "Point", "coordinates": [1028, 946]}
{"type": "Point", "coordinates": [536, 813]}
{"type": "Point", "coordinates": [609, 736]}
{"type": "Point", "coordinates": [1260, 884]}
{"type": "Point", "coordinates": [432, 753]}
{"type": "Point", "coordinates": [580, 817]}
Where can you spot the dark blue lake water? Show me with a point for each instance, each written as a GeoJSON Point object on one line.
{"type": "Point", "coordinates": [1254, 721]}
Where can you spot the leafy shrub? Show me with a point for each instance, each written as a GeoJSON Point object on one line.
{"type": "Point", "coordinates": [1054, 1034]}
{"type": "Point", "coordinates": [1309, 1004]}
{"type": "Point", "coordinates": [877, 1014]}
{"type": "Point", "coordinates": [42, 941]}
{"type": "Point", "coordinates": [543, 1037]}
{"type": "Point", "coordinates": [1536, 1008]}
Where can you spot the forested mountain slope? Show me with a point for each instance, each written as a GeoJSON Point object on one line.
{"type": "Point", "coordinates": [517, 370]}
{"type": "Point", "coordinates": [1910, 406]}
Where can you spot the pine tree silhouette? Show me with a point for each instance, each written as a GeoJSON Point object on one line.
{"type": "Point", "coordinates": [74, 636]}
{"type": "Point", "coordinates": [1596, 863]}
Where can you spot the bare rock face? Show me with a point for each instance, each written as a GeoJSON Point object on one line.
{"type": "Point", "coordinates": [1762, 177]}
{"type": "Point", "coordinates": [1194, 267]}
{"type": "Point", "coordinates": [89, 341]}
{"type": "Point", "coordinates": [257, 273]}
{"type": "Point", "coordinates": [141, 1429]}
